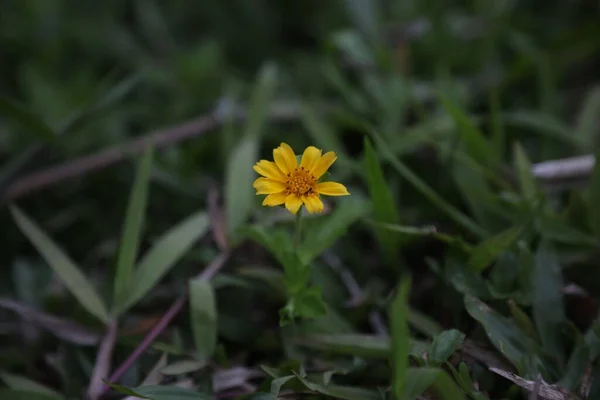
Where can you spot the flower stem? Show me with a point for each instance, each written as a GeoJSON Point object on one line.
{"type": "Point", "coordinates": [298, 230]}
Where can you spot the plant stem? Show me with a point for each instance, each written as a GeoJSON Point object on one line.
{"type": "Point", "coordinates": [298, 230]}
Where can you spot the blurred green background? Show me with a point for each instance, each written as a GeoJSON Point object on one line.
{"type": "Point", "coordinates": [458, 98]}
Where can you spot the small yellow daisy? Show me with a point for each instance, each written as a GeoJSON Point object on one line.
{"type": "Point", "coordinates": [286, 182]}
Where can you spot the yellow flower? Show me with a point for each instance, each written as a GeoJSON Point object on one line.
{"type": "Point", "coordinates": [291, 184]}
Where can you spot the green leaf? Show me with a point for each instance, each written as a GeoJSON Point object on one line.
{"type": "Point", "coordinates": [238, 184]}
{"type": "Point", "coordinates": [400, 342]}
{"type": "Point", "coordinates": [426, 190]}
{"type": "Point", "coordinates": [487, 251]}
{"type": "Point", "coordinates": [13, 394]}
{"type": "Point", "coordinates": [420, 379]}
{"type": "Point", "coordinates": [183, 367]}
{"type": "Point", "coordinates": [476, 144]}
{"type": "Point", "coordinates": [263, 93]}
{"type": "Point", "coordinates": [32, 123]}
{"type": "Point", "coordinates": [383, 203]}
{"type": "Point", "coordinates": [340, 392]}
{"type": "Point", "coordinates": [503, 334]}
{"type": "Point", "coordinates": [171, 393]}
{"type": "Point", "coordinates": [548, 304]}
{"type": "Point", "coordinates": [165, 253]}
{"type": "Point", "coordinates": [62, 265]}
{"type": "Point", "coordinates": [203, 316]}
{"type": "Point", "coordinates": [576, 367]}
{"type": "Point", "coordinates": [309, 303]}
{"type": "Point", "coordinates": [526, 178]}
{"type": "Point", "coordinates": [359, 345]}
{"type": "Point", "coordinates": [594, 210]}
{"type": "Point", "coordinates": [21, 383]}
{"type": "Point", "coordinates": [522, 320]}
{"type": "Point", "coordinates": [330, 228]}
{"type": "Point", "coordinates": [134, 221]}
{"type": "Point", "coordinates": [160, 392]}
{"type": "Point", "coordinates": [445, 344]}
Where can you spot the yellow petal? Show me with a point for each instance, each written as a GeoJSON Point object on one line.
{"type": "Point", "coordinates": [285, 158]}
{"type": "Point", "coordinates": [310, 157]}
{"type": "Point", "coordinates": [268, 186]}
{"type": "Point", "coordinates": [269, 169]}
{"type": "Point", "coordinates": [313, 204]}
{"type": "Point", "coordinates": [323, 164]}
{"type": "Point", "coordinates": [274, 199]}
{"type": "Point", "coordinates": [293, 203]}
{"type": "Point", "coordinates": [332, 189]}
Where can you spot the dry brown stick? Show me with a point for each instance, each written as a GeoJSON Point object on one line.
{"type": "Point", "coordinates": [82, 165]}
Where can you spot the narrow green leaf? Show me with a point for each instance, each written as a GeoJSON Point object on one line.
{"type": "Point", "coordinates": [427, 191]}
{"type": "Point", "coordinates": [132, 228]}
{"type": "Point", "coordinates": [476, 144]}
{"type": "Point", "coordinates": [578, 363]}
{"type": "Point", "coordinates": [522, 320]}
{"type": "Point", "coordinates": [548, 303]}
{"type": "Point", "coordinates": [445, 344]}
{"type": "Point", "coordinates": [594, 210]}
{"type": "Point", "coordinates": [24, 384]}
{"type": "Point", "coordinates": [423, 323]}
{"type": "Point", "coordinates": [523, 167]}
{"type": "Point", "coordinates": [420, 379]}
{"type": "Point", "coordinates": [125, 390]}
{"type": "Point", "coordinates": [164, 254]}
{"type": "Point", "coordinates": [262, 95]}
{"type": "Point", "coordinates": [340, 392]}
{"type": "Point", "coordinates": [171, 393]}
{"type": "Point", "coordinates": [503, 333]}
{"type": "Point", "coordinates": [490, 249]}
{"type": "Point", "coordinates": [14, 394]}
{"type": "Point", "coordinates": [183, 367]}
{"type": "Point", "coordinates": [238, 185]}
{"type": "Point", "coordinates": [359, 345]}
{"type": "Point", "coordinates": [329, 229]}
{"type": "Point", "coordinates": [62, 265]}
{"type": "Point", "coordinates": [383, 203]}
{"type": "Point", "coordinates": [32, 123]}
{"type": "Point", "coordinates": [203, 316]}
{"type": "Point", "coordinates": [400, 341]}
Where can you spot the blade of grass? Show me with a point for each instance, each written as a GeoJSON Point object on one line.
{"type": "Point", "coordinates": [400, 341]}
{"type": "Point", "coordinates": [64, 267]}
{"type": "Point", "coordinates": [134, 221]}
{"type": "Point", "coordinates": [427, 191]}
{"type": "Point", "coordinates": [165, 253]}
{"type": "Point", "coordinates": [383, 202]}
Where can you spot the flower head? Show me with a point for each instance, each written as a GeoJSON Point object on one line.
{"type": "Point", "coordinates": [286, 182]}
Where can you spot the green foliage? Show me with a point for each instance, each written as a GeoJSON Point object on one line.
{"type": "Point", "coordinates": [439, 118]}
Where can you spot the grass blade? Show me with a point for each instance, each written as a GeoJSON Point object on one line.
{"type": "Point", "coordinates": [203, 317]}
{"type": "Point", "coordinates": [134, 221]}
{"type": "Point", "coordinates": [165, 253]}
{"type": "Point", "coordinates": [64, 267]}
{"type": "Point", "coordinates": [383, 203]}
{"type": "Point", "coordinates": [548, 303]}
{"type": "Point", "coordinates": [238, 188]}
{"type": "Point", "coordinates": [427, 191]}
{"type": "Point", "coordinates": [400, 342]}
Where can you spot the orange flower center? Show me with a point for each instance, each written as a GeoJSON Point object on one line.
{"type": "Point", "coordinates": [300, 182]}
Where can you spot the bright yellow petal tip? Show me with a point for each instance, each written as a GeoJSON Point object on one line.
{"type": "Point", "coordinates": [285, 182]}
